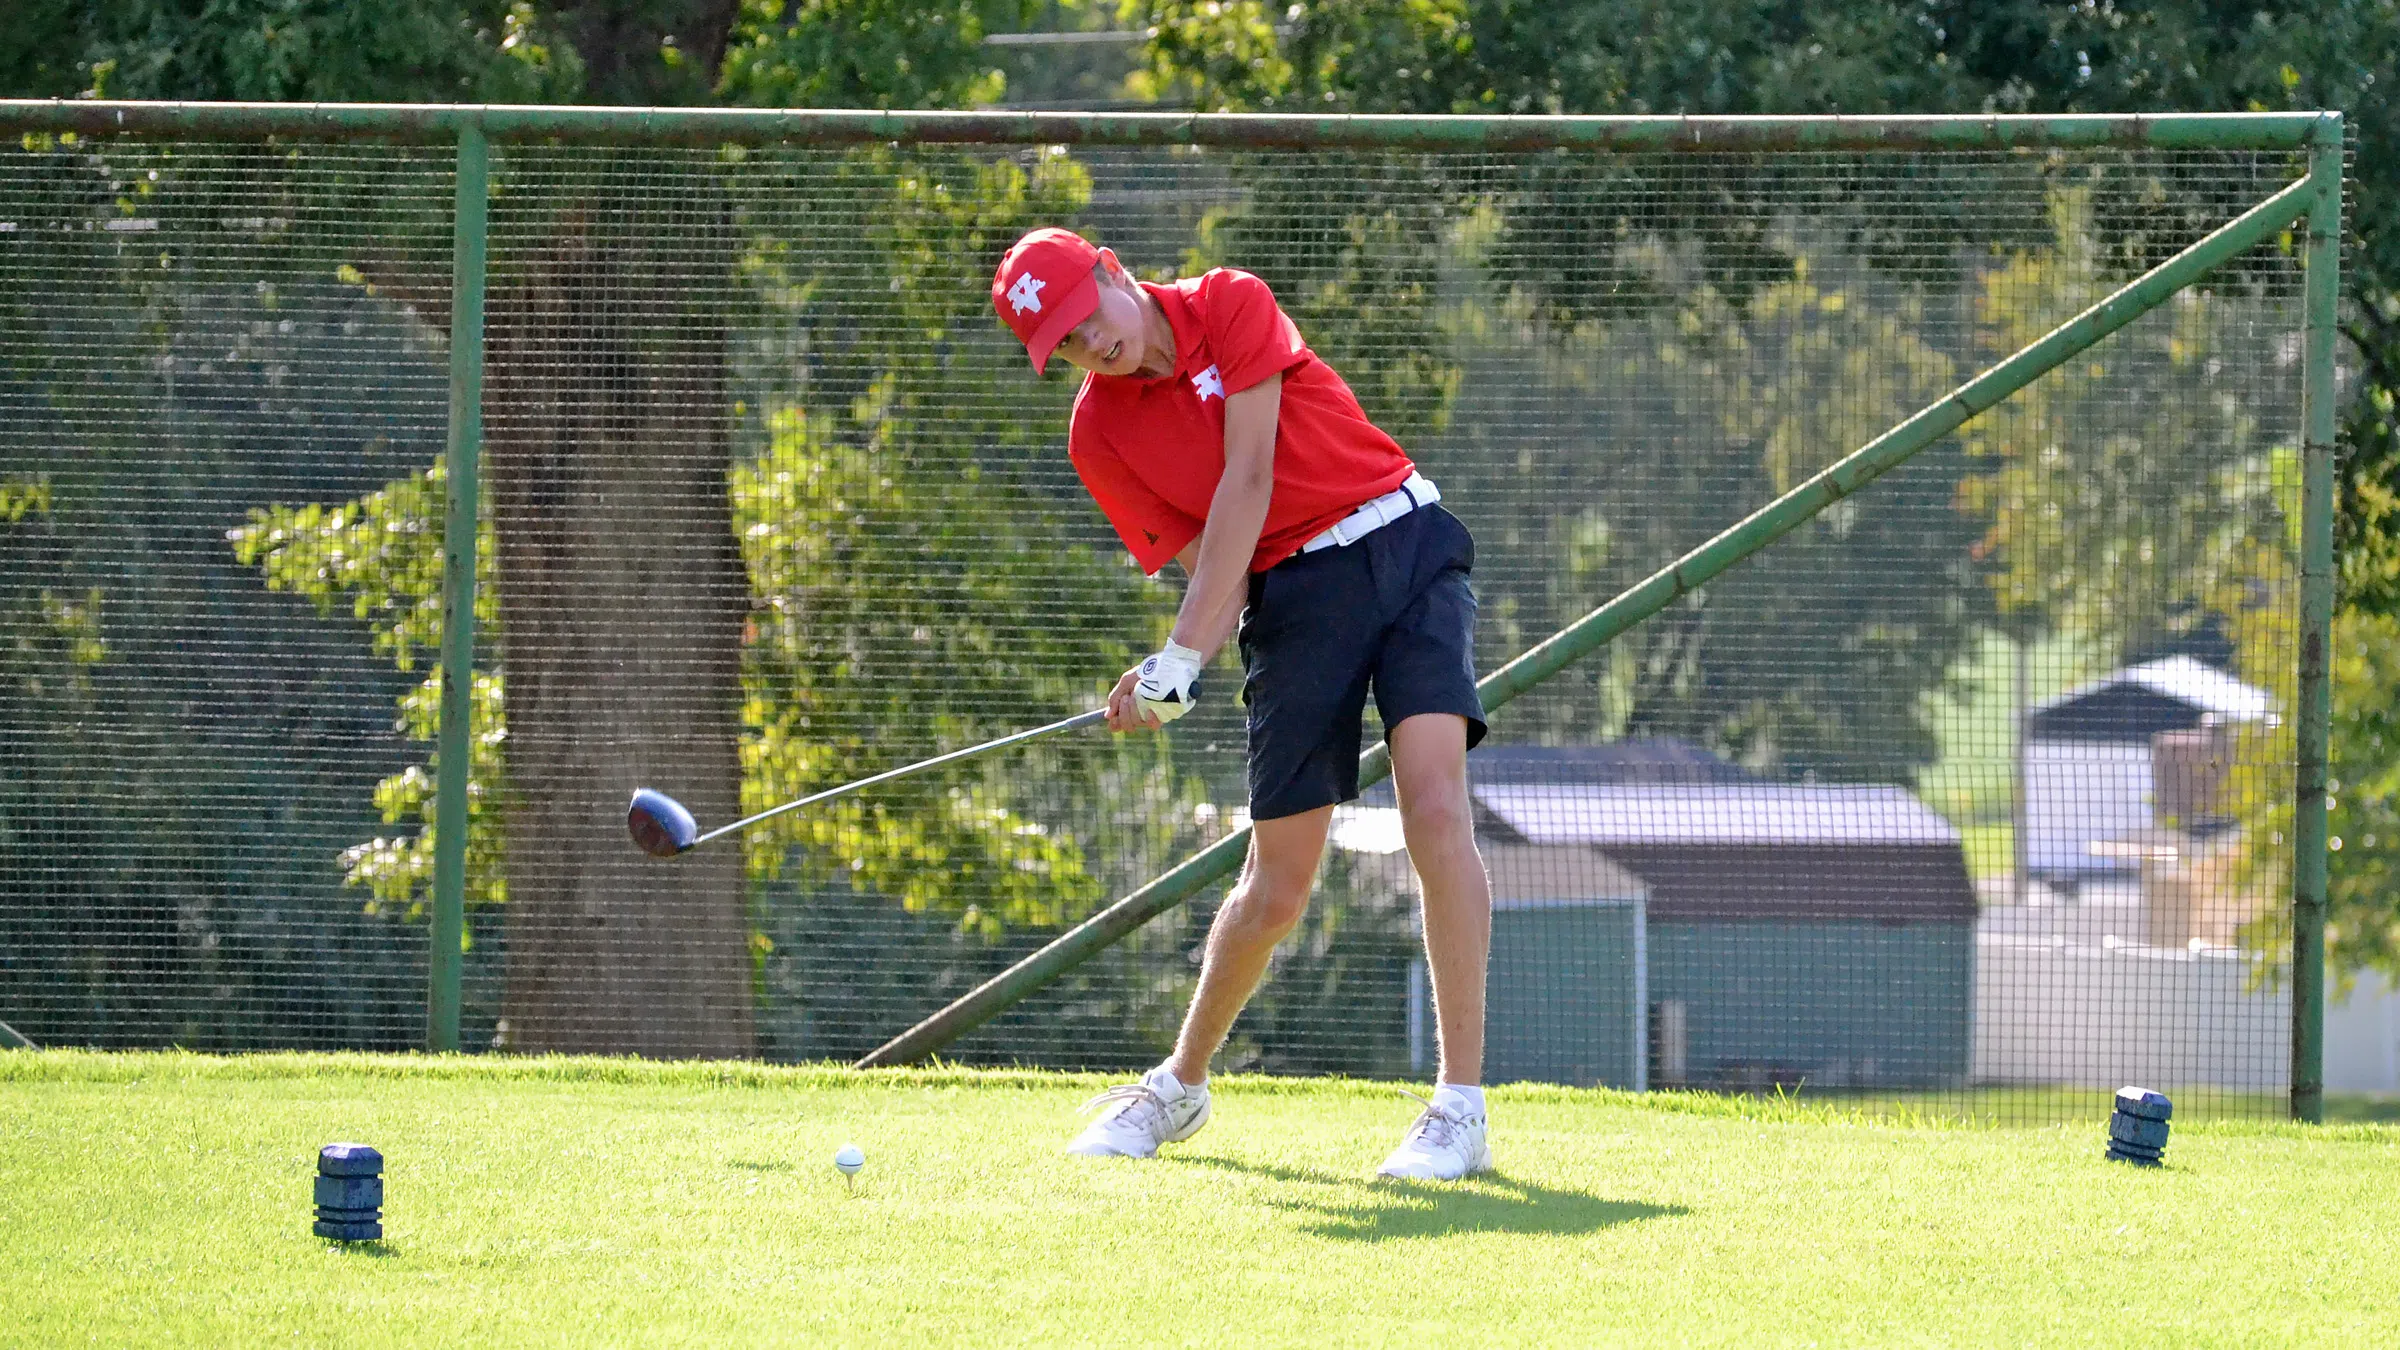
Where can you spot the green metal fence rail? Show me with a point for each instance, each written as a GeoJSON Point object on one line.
{"type": "Point", "coordinates": [443, 122]}
{"type": "Point", "coordinates": [2314, 200]}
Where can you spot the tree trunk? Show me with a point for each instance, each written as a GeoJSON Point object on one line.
{"type": "Point", "coordinates": [622, 599]}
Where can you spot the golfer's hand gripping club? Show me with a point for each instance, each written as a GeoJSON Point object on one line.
{"type": "Point", "coordinates": [1167, 684]}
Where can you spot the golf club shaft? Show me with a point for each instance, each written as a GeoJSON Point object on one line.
{"type": "Point", "coordinates": [1069, 724]}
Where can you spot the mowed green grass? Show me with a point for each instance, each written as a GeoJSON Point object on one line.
{"type": "Point", "coordinates": [150, 1199]}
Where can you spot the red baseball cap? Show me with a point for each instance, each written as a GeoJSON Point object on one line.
{"type": "Point", "coordinates": [1044, 288]}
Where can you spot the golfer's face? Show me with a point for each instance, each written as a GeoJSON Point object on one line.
{"type": "Point", "coordinates": [1110, 341]}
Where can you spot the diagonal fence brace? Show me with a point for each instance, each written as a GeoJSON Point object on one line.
{"type": "Point", "coordinates": [1662, 588]}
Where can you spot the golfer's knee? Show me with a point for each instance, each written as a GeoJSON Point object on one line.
{"type": "Point", "coordinates": [1268, 906]}
{"type": "Point", "coordinates": [1439, 822]}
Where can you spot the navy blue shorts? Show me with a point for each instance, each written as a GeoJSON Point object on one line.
{"type": "Point", "coordinates": [1392, 612]}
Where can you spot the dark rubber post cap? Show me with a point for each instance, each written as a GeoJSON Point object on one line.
{"type": "Point", "coordinates": [660, 825]}
{"type": "Point", "coordinates": [349, 1160]}
{"type": "Point", "coordinates": [2142, 1102]}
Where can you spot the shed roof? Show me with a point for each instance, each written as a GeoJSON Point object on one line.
{"type": "Point", "coordinates": [1713, 813]}
{"type": "Point", "coordinates": [2180, 679]}
{"type": "Point", "coordinates": [1636, 759]}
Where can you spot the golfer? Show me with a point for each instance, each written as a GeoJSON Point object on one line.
{"type": "Point", "coordinates": [1210, 435]}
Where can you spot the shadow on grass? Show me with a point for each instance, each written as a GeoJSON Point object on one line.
{"type": "Point", "coordinates": [749, 1165]}
{"type": "Point", "coordinates": [1358, 1209]}
{"type": "Point", "coordinates": [2362, 1110]}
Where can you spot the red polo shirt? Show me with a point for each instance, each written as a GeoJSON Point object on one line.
{"type": "Point", "coordinates": [1151, 451]}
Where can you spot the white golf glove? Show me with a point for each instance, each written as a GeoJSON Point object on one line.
{"type": "Point", "coordinates": [1165, 687]}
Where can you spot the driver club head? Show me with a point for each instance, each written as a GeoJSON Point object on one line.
{"type": "Point", "coordinates": [660, 825]}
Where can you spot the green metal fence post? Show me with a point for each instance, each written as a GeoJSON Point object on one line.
{"type": "Point", "coordinates": [460, 470]}
{"type": "Point", "coordinates": [2314, 714]}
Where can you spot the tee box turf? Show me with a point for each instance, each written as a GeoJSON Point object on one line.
{"type": "Point", "coordinates": [2137, 1129]}
{"type": "Point", "coordinates": [349, 1193]}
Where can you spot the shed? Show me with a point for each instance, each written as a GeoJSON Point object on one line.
{"type": "Point", "coordinates": [2093, 762]}
{"type": "Point", "coordinates": [1777, 933]}
{"type": "Point", "coordinates": [1565, 997]}
{"type": "Point", "coordinates": [1796, 932]}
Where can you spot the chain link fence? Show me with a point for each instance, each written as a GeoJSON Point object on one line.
{"type": "Point", "coordinates": [1974, 791]}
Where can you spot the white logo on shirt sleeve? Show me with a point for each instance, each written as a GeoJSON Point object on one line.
{"type": "Point", "coordinates": [1027, 293]}
{"type": "Point", "coordinates": [1208, 382]}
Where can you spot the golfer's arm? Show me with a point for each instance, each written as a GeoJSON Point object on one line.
{"type": "Point", "coordinates": [1227, 619]}
{"type": "Point", "coordinates": [1212, 604]}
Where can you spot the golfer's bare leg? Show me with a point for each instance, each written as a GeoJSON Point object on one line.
{"type": "Point", "coordinates": [1429, 770]}
{"type": "Point", "coordinates": [1265, 905]}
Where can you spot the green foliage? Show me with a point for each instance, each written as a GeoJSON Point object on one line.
{"type": "Point", "coordinates": [377, 557]}
{"type": "Point", "coordinates": [2089, 538]}
{"type": "Point", "coordinates": [2087, 533]}
{"type": "Point", "coordinates": [891, 569]}
{"type": "Point", "coordinates": [903, 575]}
{"type": "Point", "coordinates": [2362, 922]}
{"type": "Point", "coordinates": [180, 755]}
{"type": "Point", "coordinates": [380, 558]}
{"type": "Point", "coordinates": [1747, 397]}
{"type": "Point", "coordinates": [20, 497]}
{"type": "Point", "coordinates": [1868, 56]}
{"type": "Point", "coordinates": [787, 53]}
{"type": "Point", "coordinates": [867, 53]}
{"type": "Point", "coordinates": [1507, 56]}
{"type": "Point", "coordinates": [1659, 56]}
{"type": "Point", "coordinates": [868, 456]}
{"type": "Point", "coordinates": [2367, 541]}
{"type": "Point", "coordinates": [382, 553]}
{"type": "Point", "coordinates": [1359, 269]}
{"type": "Point", "coordinates": [1439, 284]}
{"type": "Point", "coordinates": [49, 643]}
{"type": "Point", "coordinates": [1456, 295]}
{"type": "Point", "coordinates": [279, 50]}
{"type": "Point", "coordinates": [1922, 56]}
{"type": "Point", "coordinates": [815, 516]}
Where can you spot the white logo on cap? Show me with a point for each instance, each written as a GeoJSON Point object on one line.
{"type": "Point", "coordinates": [1027, 293]}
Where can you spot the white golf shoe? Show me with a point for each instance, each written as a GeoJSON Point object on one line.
{"type": "Point", "coordinates": [1450, 1140]}
{"type": "Point", "coordinates": [1137, 1117]}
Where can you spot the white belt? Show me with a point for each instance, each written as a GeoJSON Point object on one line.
{"type": "Point", "coordinates": [1417, 491]}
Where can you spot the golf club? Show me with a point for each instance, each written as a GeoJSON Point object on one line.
{"type": "Point", "coordinates": [663, 828]}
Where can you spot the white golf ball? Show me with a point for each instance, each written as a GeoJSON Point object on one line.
{"type": "Point", "coordinates": [849, 1159]}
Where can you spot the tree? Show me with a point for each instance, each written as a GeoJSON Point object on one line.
{"type": "Point", "coordinates": [172, 793]}
{"type": "Point", "coordinates": [283, 50]}
{"type": "Point", "coordinates": [1870, 56]}
{"type": "Point", "coordinates": [597, 357]}
{"type": "Point", "coordinates": [2363, 924]}
{"type": "Point", "coordinates": [1569, 275]}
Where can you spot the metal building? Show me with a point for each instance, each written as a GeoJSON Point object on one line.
{"type": "Point", "coordinates": [1787, 933]}
{"type": "Point", "coordinates": [2093, 759]}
